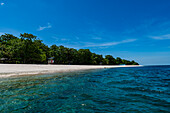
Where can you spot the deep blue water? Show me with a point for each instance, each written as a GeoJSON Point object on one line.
{"type": "Point", "coordinates": [134, 90]}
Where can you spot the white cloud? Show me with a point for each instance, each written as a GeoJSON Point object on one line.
{"type": "Point", "coordinates": [162, 37]}
{"type": "Point", "coordinates": [109, 43]}
{"type": "Point", "coordinates": [2, 4]}
{"type": "Point", "coordinates": [44, 27]}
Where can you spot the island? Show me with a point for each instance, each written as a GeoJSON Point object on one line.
{"type": "Point", "coordinates": [28, 49]}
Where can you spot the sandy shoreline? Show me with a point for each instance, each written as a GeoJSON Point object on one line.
{"type": "Point", "coordinates": [8, 70]}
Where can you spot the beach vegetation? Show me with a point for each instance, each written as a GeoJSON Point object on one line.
{"type": "Point", "coordinates": [28, 49]}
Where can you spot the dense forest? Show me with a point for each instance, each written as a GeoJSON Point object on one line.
{"type": "Point", "coordinates": [28, 49]}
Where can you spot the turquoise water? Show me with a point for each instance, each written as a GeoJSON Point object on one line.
{"type": "Point", "coordinates": [134, 90]}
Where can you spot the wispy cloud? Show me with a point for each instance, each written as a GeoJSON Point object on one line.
{"type": "Point", "coordinates": [109, 43]}
{"type": "Point", "coordinates": [1, 33]}
{"type": "Point", "coordinates": [44, 27]}
{"type": "Point", "coordinates": [60, 39]}
{"type": "Point", "coordinates": [2, 4]}
{"type": "Point", "coordinates": [146, 24]}
{"type": "Point", "coordinates": [161, 37]}
{"type": "Point", "coordinates": [64, 39]}
{"type": "Point", "coordinates": [77, 37]}
{"type": "Point", "coordinates": [82, 44]}
{"type": "Point", "coordinates": [10, 31]}
{"type": "Point", "coordinates": [97, 38]}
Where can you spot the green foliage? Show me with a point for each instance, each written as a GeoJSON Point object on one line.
{"type": "Point", "coordinates": [97, 59]}
{"type": "Point", "coordinates": [27, 36]}
{"type": "Point", "coordinates": [110, 60]}
{"type": "Point", "coordinates": [6, 37]}
{"type": "Point", "coordinates": [84, 56]}
{"type": "Point", "coordinates": [28, 49]}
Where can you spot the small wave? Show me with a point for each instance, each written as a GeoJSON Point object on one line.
{"type": "Point", "coordinates": [141, 89]}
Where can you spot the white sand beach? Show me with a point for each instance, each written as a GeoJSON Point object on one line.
{"type": "Point", "coordinates": [7, 70]}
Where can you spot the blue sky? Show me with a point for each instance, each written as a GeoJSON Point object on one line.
{"type": "Point", "coordinates": [131, 29]}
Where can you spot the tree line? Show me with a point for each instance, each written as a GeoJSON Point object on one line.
{"type": "Point", "coordinates": [27, 49]}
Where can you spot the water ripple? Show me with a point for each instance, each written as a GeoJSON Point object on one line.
{"type": "Point", "coordinates": [143, 89]}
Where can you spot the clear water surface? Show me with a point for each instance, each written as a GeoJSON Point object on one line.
{"type": "Point", "coordinates": [133, 90]}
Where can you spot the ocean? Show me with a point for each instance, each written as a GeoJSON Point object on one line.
{"type": "Point", "coordinates": [129, 90]}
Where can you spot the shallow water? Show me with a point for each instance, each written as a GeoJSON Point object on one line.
{"type": "Point", "coordinates": [140, 89]}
